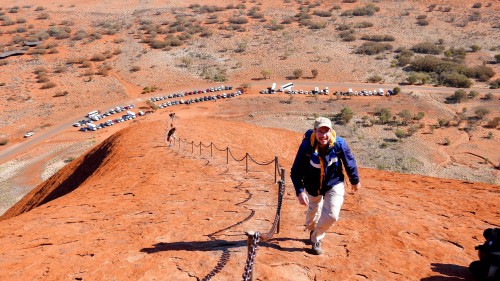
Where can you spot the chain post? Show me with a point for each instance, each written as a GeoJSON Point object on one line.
{"type": "Point", "coordinates": [227, 155]}
{"type": "Point", "coordinates": [179, 144]}
{"type": "Point", "coordinates": [200, 147]}
{"type": "Point", "coordinates": [275, 168]}
{"type": "Point", "coordinates": [248, 275]}
{"type": "Point", "coordinates": [211, 144]}
{"type": "Point", "coordinates": [246, 161]}
{"type": "Point", "coordinates": [192, 146]}
{"type": "Point", "coordinates": [282, 182]}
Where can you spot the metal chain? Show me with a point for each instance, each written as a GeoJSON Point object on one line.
{"type": "Point", "coordinates": [220, 265]}
{"type": "Point", "coordinates": [268, 236]}
{"type": "Point", "coordinates": [231, 153]}
{"type": "Point", "coordinates": [261, 164]}
{"type": "Point", "coordinates": [251, 257]}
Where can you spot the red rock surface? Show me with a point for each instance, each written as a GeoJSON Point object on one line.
{"type": "Point", "coordinates": [136, 209]}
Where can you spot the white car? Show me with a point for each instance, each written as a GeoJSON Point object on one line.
{"type": "Point", "coordinates": [29, 134]}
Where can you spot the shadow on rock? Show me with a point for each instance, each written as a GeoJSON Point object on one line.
{"type": "Point", "coordinates": [211, 245]}
{"type": "Point", "coordinates": [451, 272]}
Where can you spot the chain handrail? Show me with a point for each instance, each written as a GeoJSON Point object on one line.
{"type": "Point", "coordinates": [253, 239]}
{"type": "Point", "coordinates": [218, 148]}
{"type": "Point", "coordinates": [230, 153]}
{"type": "Point", "coordinates": [261, 164]}
{"type": "Point", "coordinates": [268, 236]}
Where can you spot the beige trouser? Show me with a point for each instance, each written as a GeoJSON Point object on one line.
{"type": "Point", "coordinates": [324, 211]}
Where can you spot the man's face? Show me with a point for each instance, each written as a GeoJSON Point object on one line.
{"type": "Point", "coordinates": [323, 135]}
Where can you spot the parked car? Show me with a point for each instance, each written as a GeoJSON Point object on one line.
{"type": "Point", "coordinates": [29, 134]}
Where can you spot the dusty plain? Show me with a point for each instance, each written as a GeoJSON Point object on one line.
{"type": "Point", "coordinates": [132, 213]}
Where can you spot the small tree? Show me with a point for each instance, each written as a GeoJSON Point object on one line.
{"type": "Point", "coordinates": [266, 74]}
{"type": "Point", "coordinates": [419, 116]}
{"type": "Point", "coordinates": [493, 123]}
{"type": "Point", "coordinates": [396, 90]}
{"type": "Point", "coordinates": [475, 48]}
{"type": "Point", "coordinates": [406, 116]}
{"type": "Point", "coordinates": [314, 73]}
{"type": "Point", "coordinates": [482, 112]}
{"type": "Point", "coordinates": [412, 130]}
{"type": "Point", "coordinates": [385, 115]}
{"type": "Point", "coordinates": [497, 58]}
{"type": "Point", "coordinates": [297, 73]}
{"type": "Point", "coordinates": [400, 133]}
{"type": "Point", "coordinates": [473, 94]}
{"type": "Point", "coordinates": [459, 96]}
{"type": "Point", "coordinates": [346, 114]}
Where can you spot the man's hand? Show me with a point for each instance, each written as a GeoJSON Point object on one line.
{"type": "Point", "coordinates": [355, 187]}
{"type": "Point", "coordinates": [303, 199]}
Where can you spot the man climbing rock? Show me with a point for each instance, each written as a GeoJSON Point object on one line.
{"type": "Point", "coordinates": [318, 178]}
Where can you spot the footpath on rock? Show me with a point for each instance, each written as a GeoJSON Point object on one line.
{"type": "Point", "coordinates": [133, 208]}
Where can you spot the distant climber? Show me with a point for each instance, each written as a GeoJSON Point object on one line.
{"type": "Point", "coordinates": [318, 178]}
{"type": "Point", "coordinates": [170, 136]}
{"type": "Point", "coordinates": [172, 117]}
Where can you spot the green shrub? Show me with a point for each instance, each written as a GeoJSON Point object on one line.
{"type": "Point", "coordinates": [396, 90]}
{"type": "Point", "coordinates": [48, 85]}
{"type": "Point", "coordinates": [406, 116]}
{"type": "Point", "coordinates": [385, 115]}
{"type": "Point", "coordinates": [481, 112]}
{"type": "Point", "coordinates": [135, 68]}
{"type": "Point", "coordinates": [475, 16]}
{"type": "Point", "coordinates": [459, 96]}
{"type": "Point", "coordinates": [400, 133]}
{"type": "Point", "coordinates": [317, 25]}
{"type": "Point", "coordinates": [422, 22]}
{"type": "Point", "coordinates": [363, 24]}
{"type": "Point", "coordinates": [378, 38]}
{"type": "Point", "coordinates": [493, 123]}
{"type": "Point", "coordinates": [98, 57]}
{"type": "Point", "coordinates": [372, 48]}
{"type": "Point", "coordinates": [314, 73]}
{"type": "Point", "coordinates": [488, 96]}
{"type": "Point", "coordinates": [495, 84]}
{"type": "Point", "coordinates": [375, 79]}
{"type": "Point", "coordinates": [346, 114]}
{"type": "Point", "coordinates": [322, 13]}
{"type": "Point", "coordinates": [419, 116]}
{"type": "Point", "coordinates": [477, 5]}
{"type": "Point", "coordinates": [473, 94]}
{"type": "Point", "coordinates": [238, 20]}
{"type": "Point", "coordinates": [454, 79]}
{"type": "Point", "coordinates": [368, 10]}
{"type": "Point", "coordinates": [427, 48]}
{"type": "Point", "coordinates": [43, 16]}
{"type": "Point", "coordinates": [297, 73]}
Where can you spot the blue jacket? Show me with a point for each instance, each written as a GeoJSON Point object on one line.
{"type": "Point", "coordinates": [306, 170]}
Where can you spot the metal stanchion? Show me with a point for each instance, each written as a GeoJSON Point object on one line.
{"type": "Point", "coordinates": [200, 147]}
{"type": "Point", "coordinates": [211, 144]}
{"type": "Point", "coordinates": [227, 155]}
{"type": "Point", "coordinates": [246, 161]}
{"type": "Point", "coordinates": [282, 182]}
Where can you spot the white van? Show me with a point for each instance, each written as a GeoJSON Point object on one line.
{"type": "Point", "coordinates": [92, 113]}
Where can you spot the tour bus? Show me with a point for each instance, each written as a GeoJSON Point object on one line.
{"type": "Point", "coordinates": [286, 87]}
{"type": "Point", "coordinates": [92, 113]}
{"type": "Point", "coordinates": [273, 88]}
